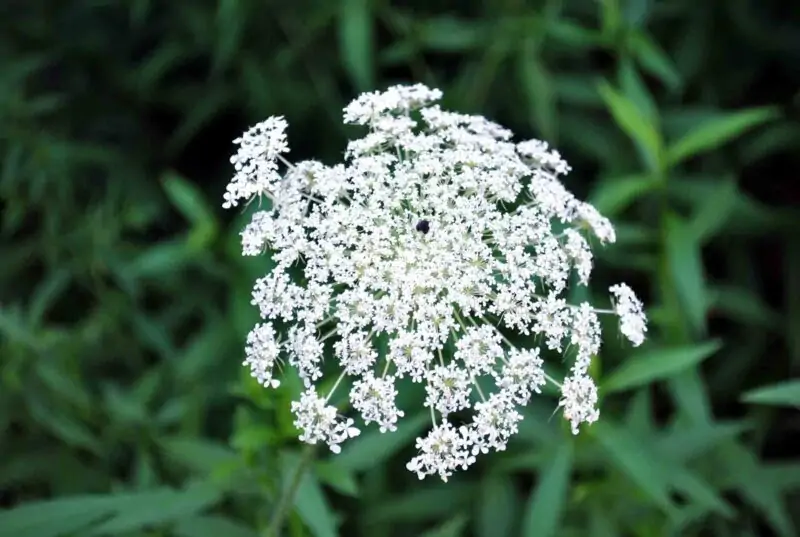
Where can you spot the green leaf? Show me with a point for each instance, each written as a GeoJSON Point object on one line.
{"type": "Point", "coordinates": [449, 34]}
{"type": "Point", "coordinates": [547, 503]}
{"type": "Point", "coordinates": [309, 500]}
{"type": "Point", "coordinates": [578, 90]}
{"type": "Point", "coordinates": [611, 18]}
{"type": "Point", "coordinates": [538, 86]}
{"type": "Point", "coordinates": [356, 42]}
{"type": "Point", "coordinates": [374, 447]}
{"type": "Point", "coordinates": [200, 353]}
{"type": "Point", "coordinates": [122, 407]}
{"type": "Point", "coordinates": [634, 88]}
{"type": "Point", "coordinates": [743, 305]}
{"type": "Point", "coordinates": [432, 502]}
{"type": "Point", "coordinates": [153, 335]}
{"type": "Point", "coordinates": [689, 442]}
{"type": "Point", "coordinates": [230, 20]}
{"type": "Point", "coordinates": [636, 125]}
{"type": "Point", "coordinates": [654, 60]}
{"type": "Point", "coordinates": [614, 195]}
{"type": "Point", "coordinates": [633, 456]}
{"type": "Point", "coordinates": [53, 518]}
{"type": "Point", "coordinates": [189, 200]}
{"type": "Point", "coordinates": [692, 46]}
{"type": "Point", "coordinates": [452, 528]}
{"type": "Point", "coordinates": [572, 35]}
{"type": "Point", "coordinates": [537, 426]}
{"type": "Point", "coordinates": [47, 293]}
{"type": "Point", "coordinates": [699, 491]}
{"type": "Point", "coordinates": [753, 484]}
{"type": "Point", "coordinates": [159, 260]}
{"type": "Point", "coordinates": [63, 424]}
{"type": "Point", "coordinates": [152, 70]}
{"type": "Point", "coordinates": [712, 212]}
{"type": "Point", "coordinates": [602, 141]}
{"type": "Point", "coordinates": [332, 474]}
{"type": "Point", "coordinates": [640, 413]}
{"type": "Point", "coordinates": [65, 384]}
{"type": "Point", "coordinates": [688, 517]}
{"type": "Point", "coordinates": [774, 138]}
{"type": "Point", "coordinates": [498, 508]}
{"type": "Point", "coordinates": [212, 526]}
{"type": "Point", "coordinates": [689, 390]}
{"type": "Point", "coordinates": [632, 235]}
{"type": "Point", "coordinates": [200, 455]}
{"type": "Point", "coordinates": [141, 510]}
{"type": "Point", "coordinates": [635, 12]}
{"type": "Point", "coordinates": [16, 329]}
{"type": "Point", "coordinates": [66, 471]}
{"type": "Point", "coordinates": [678, 121]}
{"type": "Point", "coordinates": [656, 365]}
{"type": "Point", "coordinates": [781, 394]}
{"type": "Point", "coordinates": [753, 218]}
{"type": "Point", "coordinates": [785, 475]}
{"type": "Point", "coordinates": [685, 444]}
{"type": "Point", "coordinates": [686, 269]}
{"type": "Point", "coordinates": [213, 104]}
{"type": "Point", "coordinates": [601, 522]}
{"type": "Point", "coordinates": [715, 132]}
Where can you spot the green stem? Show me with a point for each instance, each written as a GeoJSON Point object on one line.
{"type": "Point", "coordinates": [275, 523]}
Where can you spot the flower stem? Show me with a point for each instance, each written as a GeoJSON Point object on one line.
{"type": "Point", "coordinates": [286, 499]}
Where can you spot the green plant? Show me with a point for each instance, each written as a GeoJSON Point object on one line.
{"type": "Point", "coordinates": [124, 302]}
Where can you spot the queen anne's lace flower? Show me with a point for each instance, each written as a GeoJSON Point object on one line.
{"type": "Point", "coordinates": [578, 398]}
{"type": "Point", "coordinates": [448, 387]}
{"type": "Point", "coordinates": [443, 450]}
{"type": "Point", "coordinates": [414, 258]}
{"type": "Point", "coordinates": [632, 321]}
{"type": "Point", "coordinates": [262, 352]}
{"type": "Point", "coordinates": [374, 398]}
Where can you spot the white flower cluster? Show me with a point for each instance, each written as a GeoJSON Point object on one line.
{"type": "Point", "coordinates": [440, 236]}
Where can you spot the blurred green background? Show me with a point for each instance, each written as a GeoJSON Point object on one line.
{"type": "Point", "coordinates": [124, 301]}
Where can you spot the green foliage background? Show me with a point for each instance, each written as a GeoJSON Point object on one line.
{"type": "Point", "coordinates": [124, 301]}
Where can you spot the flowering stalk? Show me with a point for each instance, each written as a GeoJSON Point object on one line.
{"type": "Point", "coordinates": [434, 222]}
